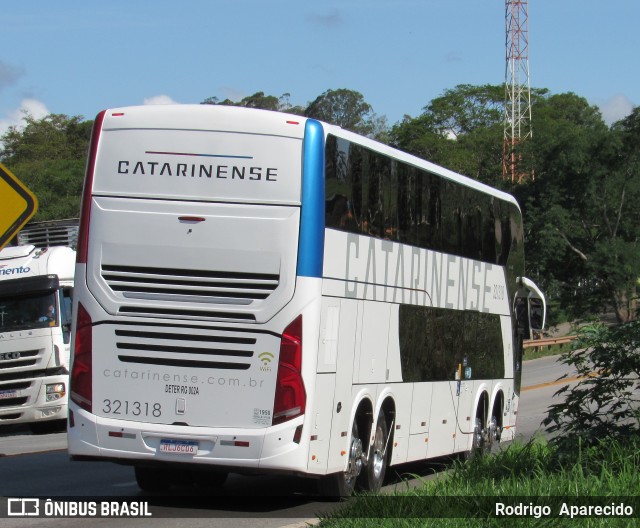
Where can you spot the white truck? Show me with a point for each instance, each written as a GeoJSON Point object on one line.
{"type": "Point", "coordinates": [36, 288]}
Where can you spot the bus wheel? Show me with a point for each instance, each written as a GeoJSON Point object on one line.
{"type": "Point", "coordinates": [378, 455]}
{"type": "Point", "coordinates": [152, 479]}
{"type": "Point", "coordinates": [493, 434]}
{"type": "Point", "coordinates": [478, 442]}
{"type": "Point", "coordinates": [342, 484]}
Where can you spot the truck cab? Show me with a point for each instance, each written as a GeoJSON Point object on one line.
{"type": "Point", "coordinates": [36, 290]}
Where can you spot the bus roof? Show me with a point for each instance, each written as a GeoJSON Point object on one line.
{"type": "Point", "coordinates": [198, 117]}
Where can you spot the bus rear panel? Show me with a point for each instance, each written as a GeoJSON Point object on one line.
{"type": "Point", "coordinates": [188, 340]}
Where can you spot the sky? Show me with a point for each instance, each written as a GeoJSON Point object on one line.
{"type": "Point", "coordinates": [78, 57]}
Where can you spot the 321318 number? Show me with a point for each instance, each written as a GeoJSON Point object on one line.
{"type": "Point", "coordinates": [131, 408]}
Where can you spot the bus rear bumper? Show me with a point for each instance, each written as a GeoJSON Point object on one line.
{"type": "Point", "coordinates": [96, 438]}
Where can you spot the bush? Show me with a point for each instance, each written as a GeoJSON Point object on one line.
{"type": "Point", "coordinates": [605, 402]}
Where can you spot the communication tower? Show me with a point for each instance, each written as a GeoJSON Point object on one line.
{"type": "Point", "coordinates": [517, 112]}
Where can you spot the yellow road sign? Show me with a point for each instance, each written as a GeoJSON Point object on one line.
{"type": "Point", "coordinates": [17, 205]}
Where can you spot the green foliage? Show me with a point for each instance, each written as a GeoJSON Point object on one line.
{"type": "Point", "coordinates": [461, 130]}
{"type": "Point", "coordinates": [55, 136]}
{"type": "Point", "coordinates": [533, 473]}
{"type": "Point", "coordinates": [347, 109]}
{"type": "Point", "coordinates": [261, 101]}
{"type": "Point", "coordinates": [49, 156]}
{"type": "Point", "coordinates": [466, 109]}
{"type": "Point", "coordinates": [57, 185]}
{"type": "Point", "coordinates": [605, 404]}
{"type": "Point", "coordinates": [581, 213]}
{"type": "Point", "coordinates": [342, 107]}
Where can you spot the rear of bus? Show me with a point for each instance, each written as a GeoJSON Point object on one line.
{"type": "Point", "coordinates": [196, 283]}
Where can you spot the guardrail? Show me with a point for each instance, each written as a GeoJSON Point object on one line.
{"type": "Point", "coordinates": [547, 341]}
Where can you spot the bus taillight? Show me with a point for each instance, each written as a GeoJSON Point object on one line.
{"type": "Point", "coordinates": [81, 375]}
{"type": "Point", "coordinates": [291, 397]}
{"type": "Point", "coordinates": [85, 208]}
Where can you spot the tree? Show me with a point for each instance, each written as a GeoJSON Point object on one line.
{"type": "Point", "coordinates": [628, 131]}
{"type": "Point", "coordinates": [349, 110]}
{"type": "Point", "coordinates": [465, 109]}
{"type": "Point", "coordinates": [605, 404]}
{"type": "Point", "coordinates": [345, 108]}
{"type": "Point", "coordinates": [461, 130]}
{"type": "Point", "coordinates": [583, 222]}
{"type": "Point", "coordinates": [49, 156]}
{"type": "Point", "coordinates": [261, 101]}
{"type": "Point", "coordinates": [55, 136]}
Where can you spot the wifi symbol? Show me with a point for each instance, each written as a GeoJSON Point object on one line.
{"type": "Point", "coordinates": [266, 358]}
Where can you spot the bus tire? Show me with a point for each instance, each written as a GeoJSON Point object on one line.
{"type": "Point", "coordinates": [152, 479]}
{"type": "Point", "coordinates": [343, 484]}
{"type": "Point", "coordinates": [378, 455]}
{"type": "Point", "coordinates": [478, 441]}
{"type": "Point", "coordinates": [494, 430]}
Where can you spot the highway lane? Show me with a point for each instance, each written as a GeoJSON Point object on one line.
{"type": "Point", "coordinates": [39, 466]}
{"type": "Point", "coordinates": [540, 382]}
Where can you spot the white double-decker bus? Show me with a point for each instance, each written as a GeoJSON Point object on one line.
{"type": "Point", "coordinates": [261, 292]}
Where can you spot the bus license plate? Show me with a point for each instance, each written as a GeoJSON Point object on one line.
{"type": "Point", "coordinates": [6, 394]}
{"type": "Point", "coordinates": [179, 447]}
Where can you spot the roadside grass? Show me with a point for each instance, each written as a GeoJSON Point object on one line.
{"type": "Point", "coordinates": [538, 352]}
{"type": "Point", "coordinates": [535, 474]}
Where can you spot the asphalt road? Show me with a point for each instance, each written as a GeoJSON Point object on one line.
{"type": "Point", "coordinates": [39, 466]}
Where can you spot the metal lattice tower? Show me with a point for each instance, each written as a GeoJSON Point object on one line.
{"type": "Point", "coordinates": [517, 112]}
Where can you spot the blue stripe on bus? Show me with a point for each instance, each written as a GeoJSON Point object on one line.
{"type": "Point", "coordinates": [311, 243]}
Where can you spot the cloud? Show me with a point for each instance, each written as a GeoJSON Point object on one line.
{"type": "Point", "coordinates": [453, 56]}
{"type": "Point", "coordinates": [33, 107]}
{"type": "Point", "coordinates": [159, 100]}
{"type": "Point", "coordinates": [233, 93]}
{"type": "Point", "coordinates": [616, 108]}
{"type": "Point", "coordinates": [329, 20]}
{"type": "Point", "coordinates": [9, 74]}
